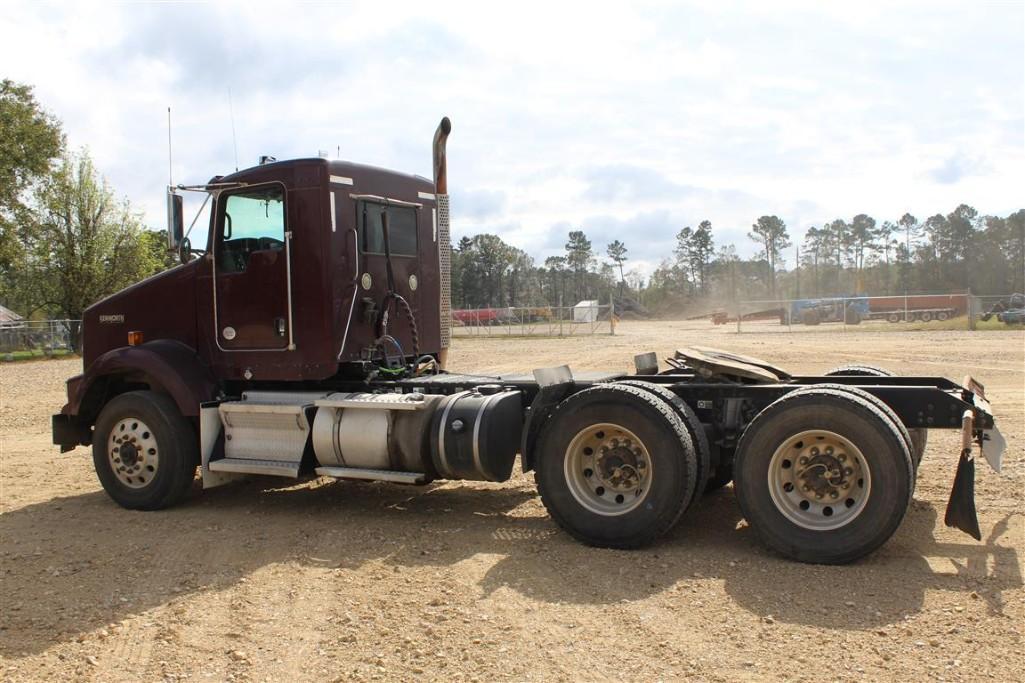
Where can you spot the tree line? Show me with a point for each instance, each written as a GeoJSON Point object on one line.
{"type": "Point", "coordinates": [958, 251]}
{"type": "Point", "coordinates": [66, 240]}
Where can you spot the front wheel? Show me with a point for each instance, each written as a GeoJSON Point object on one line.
{"type": "Point", "coordinates": [823, 476]}
{"type": "Point", "coordinates": [616, 466]}
{"type": "Point", "coordinates": [145, 453]}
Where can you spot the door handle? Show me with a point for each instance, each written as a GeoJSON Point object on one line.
{"type": "Point", "coordinates": [279, 326]}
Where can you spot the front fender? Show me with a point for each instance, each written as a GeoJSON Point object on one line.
{"type": "Point", "coordinates": [164, 365]}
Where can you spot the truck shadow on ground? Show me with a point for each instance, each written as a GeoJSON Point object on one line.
{"type": "Point", "coordinates": [72, 565]}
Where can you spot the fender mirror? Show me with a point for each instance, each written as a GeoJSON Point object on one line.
{"type": "Point", "coordinates": [175, 219]}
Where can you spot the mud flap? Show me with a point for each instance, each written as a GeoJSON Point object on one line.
{"type": "Point", "coordinates": [961, 512]}
{"type": "Point", "coordinates": [961, 506]}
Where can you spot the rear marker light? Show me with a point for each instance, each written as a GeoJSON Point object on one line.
{"type": "Point", "coordinates": [134, 338]}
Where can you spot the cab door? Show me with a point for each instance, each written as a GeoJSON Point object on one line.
{"type": "Point", "coordinates": [251, 270]}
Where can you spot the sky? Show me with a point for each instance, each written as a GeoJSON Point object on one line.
{"type": "Point", "coordinates": [629, 121]}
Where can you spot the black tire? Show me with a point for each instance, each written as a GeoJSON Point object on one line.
{"type": "Point", "coordinates": [919, 436]}
{"type": "Point", "coordinates": [882, 447]}
{"type": "Point", "coordinates": [694, 427]}
{"type": "Point", "coordinates": [176, 451]}
{"type": "Point", "coordinates": [905, 434]}
{"type": "Point", "coordinates": [852, 316]}
{"type": "Point", "coordinates": [925, 316]}
{"type": "Point", "coordinates": [942, 315]}
{"type": "Point", "coordinates": [662, 433]}
{"type": "Point", "coordinates": [893, 318]}
{"type": "Point", "coordinates": [810, 317]}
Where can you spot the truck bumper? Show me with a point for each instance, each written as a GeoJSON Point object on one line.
{"type": "Point", "coordinates": [68, 433]}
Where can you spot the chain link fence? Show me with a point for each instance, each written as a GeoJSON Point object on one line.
{"type": "Point", "coordinates": [586, 318]}
{"type": "Point", "coordinates": [39, 339]}
{"type": "Point", "coordinates": [901, 312]}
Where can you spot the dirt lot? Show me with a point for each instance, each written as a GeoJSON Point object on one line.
{"type": "Point", "coordinates": [337, 581]}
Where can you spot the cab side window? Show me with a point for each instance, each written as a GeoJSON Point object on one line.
{"type": "Point", "coordinates": [402, 237]}
{"type": "Point", "coordinates": [254, 221]}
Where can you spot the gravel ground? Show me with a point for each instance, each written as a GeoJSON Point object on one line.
{"type": "Point", "coordinates": [328, 580]}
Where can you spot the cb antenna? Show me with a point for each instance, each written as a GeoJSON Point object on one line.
{"type": "Point", "coordinates": [170, 181]}
{"type": "Point", "coordinates": [234, 142]}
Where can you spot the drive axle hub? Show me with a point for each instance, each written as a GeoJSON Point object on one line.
{"type": "Point", "coordinates": [819, 480]}
{"type": "Point", "coordinates": [608, 469]}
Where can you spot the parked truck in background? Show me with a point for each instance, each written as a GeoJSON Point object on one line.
{"type": "Point", "coordinates": [308, 337]}
{"type": "Point", "coordinates": [851, 310]}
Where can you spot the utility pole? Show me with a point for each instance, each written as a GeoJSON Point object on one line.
{"type": "Point", "coordinates": [797, 271]}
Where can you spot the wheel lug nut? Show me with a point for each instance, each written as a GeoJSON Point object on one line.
{"type": "Point", "coordinates": [841, 457]}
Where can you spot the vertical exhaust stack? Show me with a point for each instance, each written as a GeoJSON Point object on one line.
{"type": "Point", "coordinates": [444, 236]}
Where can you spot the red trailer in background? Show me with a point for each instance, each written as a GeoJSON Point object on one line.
{"type": "Point", "coordinates": [918, 307]}
{"type": "Point", "coordinates": [476, 316]}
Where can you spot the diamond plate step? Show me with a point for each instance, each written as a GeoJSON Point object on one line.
{"type": "Point", "coordinates": [247, 466]}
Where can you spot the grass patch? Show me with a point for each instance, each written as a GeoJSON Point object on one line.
{"type": "Point", "coordinates": [34, 354]}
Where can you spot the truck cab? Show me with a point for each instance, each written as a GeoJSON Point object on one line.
{"type": "Point", "coordinates": [292, 275]}
{"type": "Point", "coordinates": [295, 284]}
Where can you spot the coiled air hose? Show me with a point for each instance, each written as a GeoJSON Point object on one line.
{"type": "Point", "coordinates": [381, 328]}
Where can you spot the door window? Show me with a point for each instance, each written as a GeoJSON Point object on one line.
{"type": "Point", "coordinates": [254, 221]}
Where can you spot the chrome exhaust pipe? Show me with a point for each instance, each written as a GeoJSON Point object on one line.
{"type": "Point", "coordinates": [440, 166]}
{"type": "Point", "coordinates": [444, 237]}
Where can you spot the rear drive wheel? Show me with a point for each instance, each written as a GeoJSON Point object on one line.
{"type": "Point", "coordinates": [694, 427]}
{"type": "Point", "coordinates": [942, 315]}
{"type": "Point", "coordinates": [925, 317]}
{"type": "Point", "coordinates": [617, 466]}
{"type": "Point", "coordinates": [919, 436]}
{"type": "Point", "coordinates": [823, 476]}
{"type": "Point", "coordinates": [145, 453]}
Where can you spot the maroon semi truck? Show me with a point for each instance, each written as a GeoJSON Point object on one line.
{"type": "Point", "coordinates": [308, 338]}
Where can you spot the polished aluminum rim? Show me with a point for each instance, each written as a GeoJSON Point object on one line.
{"type": "Point", "coordinates": [608, 469]}
{"type": "Point", "coordinates": [133, 453]}
{"type": "Point", "coordinates": [819, 480]}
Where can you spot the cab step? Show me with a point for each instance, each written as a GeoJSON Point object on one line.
{"type": "Point", "coordinates": [278, 468]}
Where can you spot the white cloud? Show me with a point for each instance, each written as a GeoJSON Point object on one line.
{"type": "Point", "coordinates": [631, 121]}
